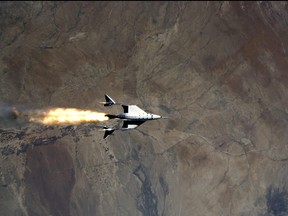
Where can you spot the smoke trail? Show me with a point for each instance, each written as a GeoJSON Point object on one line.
{"type": "Point", "coordinates": [9, 117]}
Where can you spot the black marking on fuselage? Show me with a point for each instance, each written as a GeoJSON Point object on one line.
{"type": "Point", "coordinates": [125, 107]}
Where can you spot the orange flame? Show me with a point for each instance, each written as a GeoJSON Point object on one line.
{"type": "Point", "coordinates": [67, 116]}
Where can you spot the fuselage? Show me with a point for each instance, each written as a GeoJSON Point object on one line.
{"type": "Point", "coordinates": [135, 116]}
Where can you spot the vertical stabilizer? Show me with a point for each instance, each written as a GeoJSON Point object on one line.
{"type": "Point", "coordinates": [109, 101]}
{"type": "Point", "coordinates": [108, 132]}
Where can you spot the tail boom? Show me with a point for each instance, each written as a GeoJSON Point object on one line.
{"type": "Point", "coordinates": [111, 116]}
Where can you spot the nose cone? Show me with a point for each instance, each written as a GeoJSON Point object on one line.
{"type": "Point", "coordinates": [156, 116]}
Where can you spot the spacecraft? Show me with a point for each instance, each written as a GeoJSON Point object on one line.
{"type": "Point", "coordinates": [132, 116]}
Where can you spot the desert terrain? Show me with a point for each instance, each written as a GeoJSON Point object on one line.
{"type": "Point", "coordinates": [218, 70]}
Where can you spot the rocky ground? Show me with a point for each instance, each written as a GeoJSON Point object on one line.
{"type": "Point", "coordinates": [217, 69]}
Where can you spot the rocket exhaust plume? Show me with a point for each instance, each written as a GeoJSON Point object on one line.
{"type": "Point", "coordinates": [57, 116]}
{"type": "Point", "coordinates": [12, 117]}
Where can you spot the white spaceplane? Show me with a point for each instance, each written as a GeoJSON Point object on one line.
{"type": "Point", "coordinates": [132, 116]}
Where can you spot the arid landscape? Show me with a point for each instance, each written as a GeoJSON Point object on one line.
{"type": "Point", "coordinates": [218, 70]}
